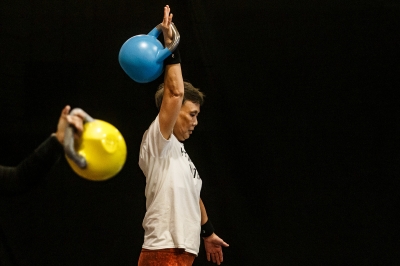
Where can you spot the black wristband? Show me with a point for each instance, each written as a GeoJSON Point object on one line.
{"type": "Point", "coordinates": [207, 229]}
{"type": "Point", "coordinates": [174, 58]}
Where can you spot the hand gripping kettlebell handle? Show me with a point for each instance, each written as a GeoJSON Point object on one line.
{"type": "Point", "coordinates": [176, 37]}
{"type": "Point", "coordinates": [69, 145]}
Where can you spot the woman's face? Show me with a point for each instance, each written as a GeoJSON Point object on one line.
{"type": "Point", "coordinates": [187, 120]}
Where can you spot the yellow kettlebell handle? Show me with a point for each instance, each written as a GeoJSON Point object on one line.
{"type": "Point", "coordinates": [69, 145]}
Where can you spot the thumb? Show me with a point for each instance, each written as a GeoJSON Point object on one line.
{"type": "Point", "coordinates": [66, 110]}
{"type": "Point", "coordinates": [223, 243]}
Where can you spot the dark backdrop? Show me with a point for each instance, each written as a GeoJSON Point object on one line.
{"type": "Point", "coordinates": [298, 141]}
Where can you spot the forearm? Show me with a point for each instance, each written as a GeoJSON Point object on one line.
{"type": "Point", "coordinates": [173, 81]}
{"type": "Point", "coordinates": [40, 162]}
{"type": "Point", "coordinates": [32, 169]}
{"type": "Point", "coordinates": [172, 98]}
{"type": "Point", "coordinates": [8, 178]}
{"type": "Point", "coordinates": [204, 217]}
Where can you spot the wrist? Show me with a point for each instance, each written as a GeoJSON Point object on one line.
{"type": "Point", "coordinates": [207, 229]}
{"type": "Point", "coordinates": [205, 238]}
{"type": "Point", "coordinates": [174, 58]}
{"type": "Point", "coordinates": [59, 137]}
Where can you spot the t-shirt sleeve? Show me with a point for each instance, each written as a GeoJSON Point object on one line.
{"type": "Point", "coordinates": [155, 143]}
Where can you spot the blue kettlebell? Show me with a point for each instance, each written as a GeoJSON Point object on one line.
{"type": "Point", "coordinates": [142, 56]}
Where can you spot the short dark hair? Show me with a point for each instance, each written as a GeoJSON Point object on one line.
{"type": "Point", "coordinates": [191, 94]}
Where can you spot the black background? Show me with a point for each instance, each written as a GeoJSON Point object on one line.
{"type": "Point", "coordinates": [297, 142]}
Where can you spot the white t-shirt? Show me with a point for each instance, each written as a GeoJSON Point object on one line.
{"type": "Point", "coordinates": [173, 185]}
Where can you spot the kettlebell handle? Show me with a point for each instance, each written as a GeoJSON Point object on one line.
{"type": "Point", "coordinates": [175, 35]}
{"type": "Point", "coordinates": [69, 147]}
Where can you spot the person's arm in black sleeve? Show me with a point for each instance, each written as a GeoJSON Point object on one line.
{"type": "Point", "coordinates": [33, 169]}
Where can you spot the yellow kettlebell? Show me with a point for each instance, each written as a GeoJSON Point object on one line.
{"type": "Point", "coordinates": [99, 154]}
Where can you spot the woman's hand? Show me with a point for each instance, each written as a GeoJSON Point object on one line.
{"type": "Point", "coordinates": [166, 26]}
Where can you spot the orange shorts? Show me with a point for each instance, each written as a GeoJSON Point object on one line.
{"type": "Point", "coordinates": [166, 257]}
